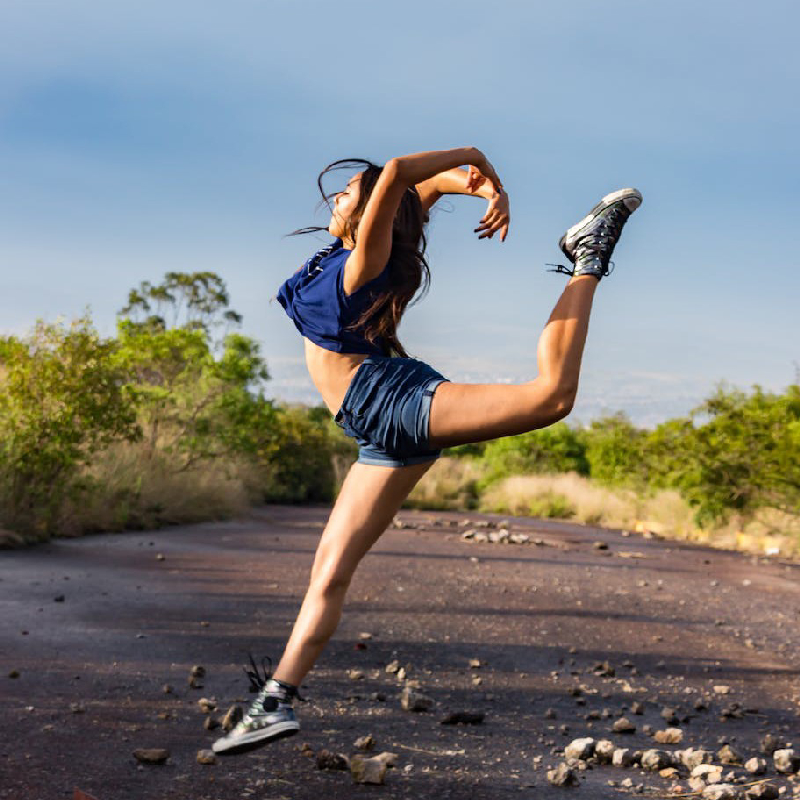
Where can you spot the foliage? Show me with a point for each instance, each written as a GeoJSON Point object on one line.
{"type": "Point", "coordinates": [615, 451]}
{"type": "Point", "coordinates": [558, 448]}
{"type": "Point", "coordinates": [63, 396]}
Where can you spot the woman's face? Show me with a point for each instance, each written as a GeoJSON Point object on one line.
{"type": "Point", "coordinates": [344, 203]}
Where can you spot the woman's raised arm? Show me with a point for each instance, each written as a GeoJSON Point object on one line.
{"type": "Point", "coordinates": [374, 243]}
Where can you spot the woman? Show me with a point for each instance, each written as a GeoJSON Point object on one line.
{"type": "Point", "coordinates": [347, 301]}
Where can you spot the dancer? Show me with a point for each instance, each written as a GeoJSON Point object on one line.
{"type": "Point", "coordinates": [347, 301]}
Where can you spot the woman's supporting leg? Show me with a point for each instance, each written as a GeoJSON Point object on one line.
{"type": "Point", "coordinates": [369, 499]}
{"type": "Point", "coordinates": [463, 412]}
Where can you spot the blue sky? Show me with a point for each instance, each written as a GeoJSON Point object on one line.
{"type": "Point", "coordinates": [137, 138]}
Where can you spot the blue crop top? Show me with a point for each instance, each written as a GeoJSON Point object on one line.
{"type": "Point", "coordinates": [315, 301]}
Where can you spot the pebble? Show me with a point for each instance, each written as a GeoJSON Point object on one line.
{"type": "Point", "coordinates": [763, 791]}
{"type": "Point", "coordinates": [368, 770]}
{"type": "Point", "coordinates": [669, 736]}
{"type": "Point", "coordinates": [206, 757]}
{"type": "Point", "coordinates": [786, 761]}
{"type": "Point", "coordinates": [335, 761]}
{"type": "Point", "coordinates": [411, 700]}
{"type": "Point", "coordinates": [624, 725]}
{"type": "Point", "coordinates": [151, 755]}
{"type": "Point", "coordinates": [232, 718]}
{"type": "Point", "coordinates": [207, 705]}
{"type": "Point", "coordinates": [623, 757]}
{"type": "Point", "coordinates": [604, 751]}
{"type": "Point", "coordinates": [364, 742]}
{"type": "Point", "coordinates": [727, 755]}
{"type": "Point", "coordinates": [580, 748]}
{"type": "Point", "coordinates": [562, 775]}
{"type": "Point", "coordinates": [756, 765]}
{"type": "Point", "coordinates": [655, 760]}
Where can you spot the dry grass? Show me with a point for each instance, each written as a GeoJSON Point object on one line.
{"type": "Point", "coordinates": [450, 484]}
{"type": "Point", "coordinates": [134, 491]}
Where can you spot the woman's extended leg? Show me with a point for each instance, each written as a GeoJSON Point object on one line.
{"type": "Point", "coordinates": [369, 498]}
{"type": "Point", "coordinates": [462, 413]}
{"type": "Point", "coordinates": [465, 412]}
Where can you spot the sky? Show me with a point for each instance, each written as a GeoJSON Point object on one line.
{"type": "Point", "coordinates": [139, 138]}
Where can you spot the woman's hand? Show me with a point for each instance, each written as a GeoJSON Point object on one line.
{"type": "Point", "coordinates": [497, 217]}
{"type": "Point", "coordinates": [480, 170]}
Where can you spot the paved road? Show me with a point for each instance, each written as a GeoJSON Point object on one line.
{"type": "Point", "coordinates": [674, 620]}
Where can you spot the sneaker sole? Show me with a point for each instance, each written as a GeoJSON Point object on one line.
{"type": "Point", "coordinates": [609, 199]}
{"type": "Point", "coordinates": [255, 739]}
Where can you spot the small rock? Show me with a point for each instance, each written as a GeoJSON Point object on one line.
{"type": "Point", "coordinates": [691, 757]}
{"type": "Point", "coordinates": [355, 675]}
{"type": "Point", "coordinates": [722, 689]}
{"type": "Point", "coordinates": [637, 707]}
{"type": "Point", "coordinates": [390, 759]}
{"type": "Point", "coordinates": [367, 770]}
{"type": "Point", "coordinates": [580, 748]}
{"type": "Point", "coordinates": [763, 791]}
{"type": "Point", "coordinates": [669, 715]}
{"type": "Point", "coordinates": [151, 755]}
{"type": "Point", "coordinates": [604, 751]}
{"type": "Point", "coordinates": [59, 598]}
{"type": "Point", "coordinates": [206, 757]}
{"type": "Point", "coordinates": [232, 718]}
{"type": "Point", "coordinates": [624, 725]}
{"type": "Point", "coordinates": [604, 670]}
{"type": "Point", "coordinates": [600, 545]}
{"type": "Point", "coordinates": [328, 760]}
{"type": "Point", "coordinates": [562, 775]}
{"type": "Point", "coordinates": [623, 757]}
{"type": "Point", "coordinates": [393, 667]}
{"type": "Point", "coordinates": [415, 701]}
{"type": "Point", "coordinates": [710, 773]}
{"type": "Point", "coordinates": [475, 663]}
{"type": "Point", "coordinates": [14, 673]}
{"type": "Point", "coordinates": [211, 723]}
{"type": "Point", "coordinates": [77, 708]}
{"type": "Point", "coordinates": [160, 557]}
{"type": "Point", "coordinates": [756, 765]}
{"type": "Point", "coordinates": [770, 743]}
{"type": "Point", "coordinates": [167, 689]}
{"type": "Point", "coordinates": [669, 736]}
{"type": "Point", "coordinates": [206, 705]}
{"type": "Point", "coordinates": [727, 755]}
{"type": "Point", "coordinates": [669, 772]}
{"type": "Point", "coordinates": [786, 761]}
{"type": "Point", "coordinates": [364, 742]}
{"type": "Point", "coordinates": [655, 760]}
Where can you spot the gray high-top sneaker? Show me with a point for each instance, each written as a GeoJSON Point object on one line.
{"type": "Point", "coordinates": [269, 717]}
{"type": "Point", "coordinates": [589, 243]}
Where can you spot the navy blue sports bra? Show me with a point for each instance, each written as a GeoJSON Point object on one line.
{"type": "Point", "coordinates": [315, 301]}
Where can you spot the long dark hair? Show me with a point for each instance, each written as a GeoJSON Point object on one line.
{"type": "Point", "coordinates": [408, 268]}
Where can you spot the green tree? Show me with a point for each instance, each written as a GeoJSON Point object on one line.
{"type": "Point", "coordinates": [63, 396]}
{"type": "Point", "coordinates": [558, 448]}
{"type": "Point", "coordinates": [615, 451]}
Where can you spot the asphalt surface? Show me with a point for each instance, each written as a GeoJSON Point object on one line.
{"type": "Point", "coordinates": [95, 627]}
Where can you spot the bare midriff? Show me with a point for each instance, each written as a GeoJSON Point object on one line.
{"type": "Point", "coordinates": [331, 372]}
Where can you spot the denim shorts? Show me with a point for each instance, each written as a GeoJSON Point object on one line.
{"type": "Point", "coordinates": [387, 410]}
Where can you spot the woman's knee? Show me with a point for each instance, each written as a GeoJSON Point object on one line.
{"type": "Point", "coordinates": [331, 577]}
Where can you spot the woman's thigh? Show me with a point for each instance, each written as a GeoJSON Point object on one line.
{"type": "Point", "coordinates": [368, 500]}
{"type": "Point", "coordinates": [475, 412]}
